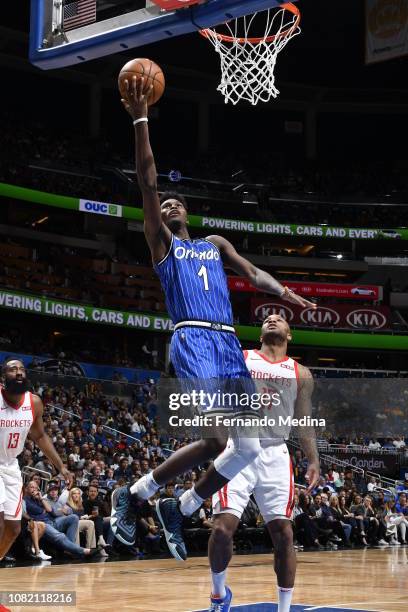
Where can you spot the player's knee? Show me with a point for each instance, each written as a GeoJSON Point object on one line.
{"type": "Point", "coordinates": [282, 534]}
{"type": "Point", "coordinates": [222, 533]}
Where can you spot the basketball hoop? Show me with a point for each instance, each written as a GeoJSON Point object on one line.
{"type": "Point", "coordinates": [247, 61]}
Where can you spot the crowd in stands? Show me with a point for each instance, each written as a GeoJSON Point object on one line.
{"type": "Point", "coordinates": [107, 442]}
{"type": "Point", "coordinates": [85, 163]}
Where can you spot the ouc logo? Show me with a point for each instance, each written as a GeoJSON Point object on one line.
{"type": "Point", "coordinates": [100, 208]}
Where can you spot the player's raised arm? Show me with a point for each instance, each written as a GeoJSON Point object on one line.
{"type": "Point", "coordinates": [258, 278]}
{"type": "Point", "coordinates": [44, 442]}
{"type": "Point", "coordinates": [158, 236]}
{"type": "Point", "coordinates": [307, 435]}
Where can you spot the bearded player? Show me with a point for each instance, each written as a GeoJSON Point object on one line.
{"type": "Point", "coordinates": [21, 414]}
{"type": "Point", "coordinates": [269, 477]}
{"type": "Point", "coordinates": [204, 346]}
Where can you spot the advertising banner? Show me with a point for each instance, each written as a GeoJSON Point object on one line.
{"type": "Point", "coordinates": [100, 208]}
{"type": "Point", "coordinates": [83, 312]}
{"type": "Point", "coordinates": [383, 464]}
{"type": "Point", "coordinates": [337, 290]}
{"type": "Point", "coordinates": [207, 223]}
{"type": "Point", "coordinates": [35, 304]}
{"type": "Point", "coordinates": [386, 29]}
{"type": "Point", "coordinates": [329, 315]}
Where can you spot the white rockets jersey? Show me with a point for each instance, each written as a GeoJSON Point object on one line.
{"type": "Point", "coordinates": [279, 377]}
{"type": "Point", "coordinates": [15, 423]}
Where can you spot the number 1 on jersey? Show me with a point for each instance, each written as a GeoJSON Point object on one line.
{"type": "Point", "coordinates": [203, 272]}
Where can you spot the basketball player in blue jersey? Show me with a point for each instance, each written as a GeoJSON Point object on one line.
{"type": "Point", "coordinates": [204, 346]}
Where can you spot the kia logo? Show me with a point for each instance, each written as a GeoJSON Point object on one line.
{"type": "Point", "coordinates": [265, 310]}
{"type": "Point", "coordinates": [320, 316]}
{"type": "Point", "coordinates": [365, 317]}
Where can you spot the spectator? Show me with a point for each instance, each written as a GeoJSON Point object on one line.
{"type": "Point", "coordinates": [374, 444]}
{"type": "Point", "coordinates": [123, 471]}
{"type": "Point", "coordinates": [306, 529]}
{"type": "Point", "coordinates": [399, 442]}
{"type": "Point", "coordinates": [372, 522]}
{"type": "Point", "coordinates": [96, 510]}
{"type": "Point", "coordinates": [358, 510]}
{"type": "Point", "coordinates": [372, 484]}
{"type": "Point", "coordinates": [36, 529]}
{"type": "Point", "coordinates": [337, 515]}
{"type": "Point", "coordinates": [38, 509]}
{"type": "Point", "coordinates": [397, 519]}
{"type": "Point", "coordinates": [85, 525]}
{"type": "Point", "coordinates": [205, 514]}
{"type": "Point", "coordinates": [45, 465]}
{"type": "Point", "coordinates": [168, 490]}
{"type": "Point", "coordinates": [402, 506]}
{"type": "Point", "coordinates": [325, 519]}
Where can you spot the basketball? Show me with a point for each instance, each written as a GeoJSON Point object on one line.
{"type": "Point", "coordinates": [150, 71]}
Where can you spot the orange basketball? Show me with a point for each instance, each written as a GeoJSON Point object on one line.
{"type": "Point", "coordinates": [151, 72]}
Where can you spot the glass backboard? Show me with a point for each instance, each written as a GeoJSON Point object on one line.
{"type": "Point", "coordinates": [67, 32]}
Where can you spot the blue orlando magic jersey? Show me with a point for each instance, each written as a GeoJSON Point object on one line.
{"type": "Point", "coordinates": [194, 282]}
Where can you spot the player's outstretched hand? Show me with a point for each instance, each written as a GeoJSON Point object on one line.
{"type": "Point", "coordinates": [136, 99]}
{"type": "Point", "coordinates": [312, 476]}
{"type": "Point", "coordinates": [69, 481]}
{"type": "Point", "coordinates": [291, 296]}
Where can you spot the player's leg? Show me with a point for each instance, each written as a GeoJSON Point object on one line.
{"type": "Point", "coordinates": [237, 455]}
{"type": "Point", "coordinates": [274, 495]}
{"type": "Point", "coordinates": [193, 366]}
{"type": "Point", "coordinates": [11, 532]}
{"type": "Point", "coordinates": [183, 460]}
{"type": "Point", "coordinates": [228, 505]}
{"type": "Point", "coordinates": [281, 533]}
{"type": "Point", "coordinates": [219, 555]}
{"type": "Point", "coordinates": [2, 501]}
{"type": "Point", "coordinates": [12, 506]}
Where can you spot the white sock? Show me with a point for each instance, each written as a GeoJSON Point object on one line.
{"type": "Point", "coordinates": [145, 487]}
{"type": "Point", "coordinates": [190, 502]}
{"type": "Point", "coordinates": [218, 582]}
{"type": "Point", "coordinates": [285, 599]}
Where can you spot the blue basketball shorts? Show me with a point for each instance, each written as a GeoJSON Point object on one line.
{"type": "Point", "coordinates": [212, 361]}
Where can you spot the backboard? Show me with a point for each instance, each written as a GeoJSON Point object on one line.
{"type": "Point", "coordinates": [67, 32]}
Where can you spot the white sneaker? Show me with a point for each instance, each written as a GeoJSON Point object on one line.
{"type": "Point", "coordinates": [394, 542]}
{"type": "Point", "coordinates": [41, 555]}
{"type": "Point", "coordinates": [382, 543]}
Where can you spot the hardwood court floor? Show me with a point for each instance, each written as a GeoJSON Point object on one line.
{"type": "Point", "coordinates": [370, 579]}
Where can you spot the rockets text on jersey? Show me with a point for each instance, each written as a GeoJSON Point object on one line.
{"type": "Point", "coordinates": [275, 378]}
{"type": "Point", "coordinates": [194, 282]}
{"type": "Point", "coordinates": [15, 423]}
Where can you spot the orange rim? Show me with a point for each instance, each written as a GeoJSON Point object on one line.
{"type": "Point", "coordinates": [208, 32]}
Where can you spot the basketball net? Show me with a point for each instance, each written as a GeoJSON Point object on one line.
{"type": "Point", "coordinates": [248, 61]}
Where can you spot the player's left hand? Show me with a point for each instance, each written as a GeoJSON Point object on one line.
{"type": "Point", "coordinates": [291, 296]}
{"type": "Point", "coordinates": [67, 477]}
{"type": "Point", "coordinates": [312, 476]}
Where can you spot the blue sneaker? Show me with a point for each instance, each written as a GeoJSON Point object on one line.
{"type": "Point", "coordinates": [221, 605]}
{"type": "Point", "coordinates": [123, 518]}
{"type": "Point", "coordinates": [172, 521]}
